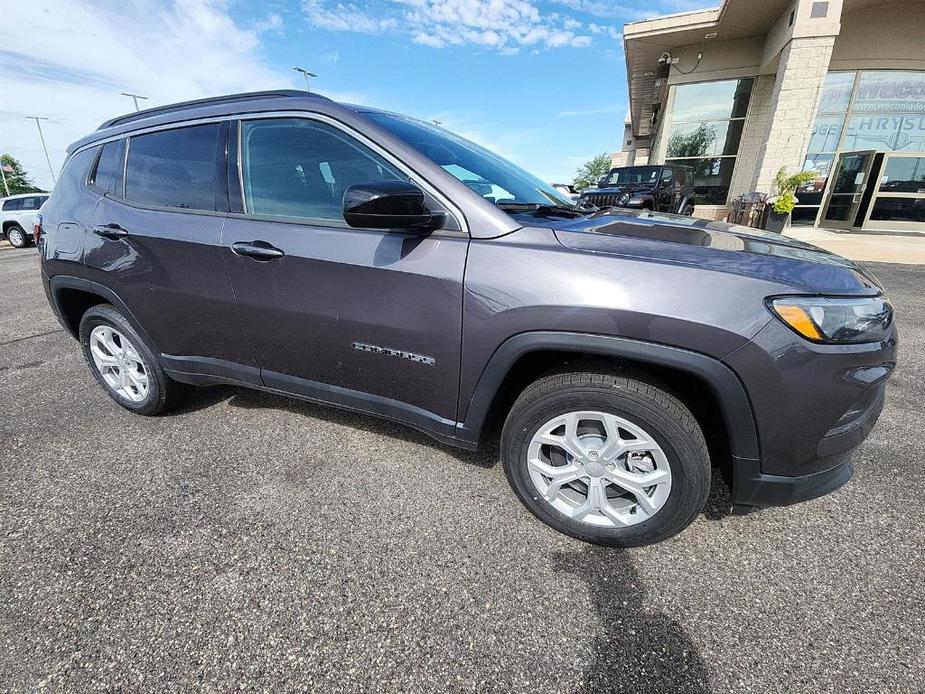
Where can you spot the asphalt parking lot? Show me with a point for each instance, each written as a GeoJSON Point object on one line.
{"type": "Point", "coordinates": [259, 543]}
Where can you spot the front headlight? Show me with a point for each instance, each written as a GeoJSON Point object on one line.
{"type": "Point", "coordinates": [835, 320]}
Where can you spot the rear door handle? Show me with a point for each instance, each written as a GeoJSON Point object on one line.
{"type": "Point", "coordinates": [110, 231]}
{"type": "Point", "coordinates": [258, 250]}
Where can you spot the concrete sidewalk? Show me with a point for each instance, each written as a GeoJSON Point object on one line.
{"type": "Point", "coordinates": [882, 248]}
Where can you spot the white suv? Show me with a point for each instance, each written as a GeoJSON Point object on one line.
{"type": "Point", "coordinates": [17, 213]}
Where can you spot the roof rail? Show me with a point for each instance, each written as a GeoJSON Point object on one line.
{"type": "Point", "coordinates": [183, 105]}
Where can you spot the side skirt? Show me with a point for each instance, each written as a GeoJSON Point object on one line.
{"type": "Point", "coordinates": [201, 371]}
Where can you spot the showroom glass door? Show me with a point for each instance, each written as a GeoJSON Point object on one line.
{"type": "Point", "coordinates": [898, 194]}
{"type": "Point", "coordinates": [847, 188]}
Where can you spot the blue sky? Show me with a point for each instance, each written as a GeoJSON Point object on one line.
{"type": "Point", "coordinates": [542, 83]}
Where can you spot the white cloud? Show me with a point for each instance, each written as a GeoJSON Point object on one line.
{"type": "Point", "coordinates": [610, 31]}
{"type": "Point", "coordinates": [272, 23]}
{"type": "Point", "coordinates": [69, 61]}
{"type": "Point", "coordinates": [345, 17]}
{"type": "Point", "coordinates": [505, 26]}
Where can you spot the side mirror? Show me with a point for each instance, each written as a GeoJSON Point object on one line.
{"type": "Point", "coordinates": [389, 205]}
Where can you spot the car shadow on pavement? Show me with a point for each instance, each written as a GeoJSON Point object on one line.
{"type": "Point", "coordinates": [719, 503]}
{"type": "Point", "coordinates": [633, 650]}
{"type": "Point", "coordinates": [246, 398]}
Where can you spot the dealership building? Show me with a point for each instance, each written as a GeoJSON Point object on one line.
{"type": "Point", "coordinates": [742, 90]}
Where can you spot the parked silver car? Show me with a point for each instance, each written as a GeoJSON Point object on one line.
{"type": "Point", "coordinates": [17, 213]}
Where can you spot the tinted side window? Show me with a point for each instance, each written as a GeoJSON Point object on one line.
{"type": "Point", "coordinates": [12, 205]}
{"type": "Point", "coordinates": [31, 203]}
{"type": "Point", "coordinates": [294, 167]}
{"type": "Point", "coordinates": [108, 173]}
{"type": "Point", "coordinates": [174, 168]}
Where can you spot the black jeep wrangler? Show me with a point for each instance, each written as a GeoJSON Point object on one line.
{"type": "Point", "coordinates": [663, 188]}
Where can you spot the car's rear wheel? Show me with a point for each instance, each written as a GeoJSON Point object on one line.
{"type": "Point", "coordinates": [17, 236]}
{"type": "Point", "coordinates": [606, 458]}
{"type": "Point", "coordinates": [124, 365]}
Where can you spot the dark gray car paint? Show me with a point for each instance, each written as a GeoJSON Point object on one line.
{"type": "Point", "coordinates": [646, 287]}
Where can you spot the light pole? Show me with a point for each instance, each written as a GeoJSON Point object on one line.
{"type": "Point", "coordinates": [306, 74]}
{"type": "Point", "coordinates": [135, 98]}
{"type": "Point", "coordinates": [38, 125]}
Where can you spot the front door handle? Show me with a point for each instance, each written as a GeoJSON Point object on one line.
{"type": "Point", "coordinates": [258, 250]}
{"type": "Point", "coordinates": [112, 232]}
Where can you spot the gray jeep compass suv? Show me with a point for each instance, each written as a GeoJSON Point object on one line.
{"type": "Point", "coordinates": [348, 256]}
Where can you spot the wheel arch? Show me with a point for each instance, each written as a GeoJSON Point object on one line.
{"type": "Point", "coordinates": [527, 356]}
{"type": "Point", "coordinates": [72, 297]}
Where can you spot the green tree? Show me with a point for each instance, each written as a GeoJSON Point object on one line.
{"type": "Point", "coordinates": [17, 180]}
{"type": "Point", "coordinates": [695, 144]}
{"type": "Point", "coordinates": [592, 171]}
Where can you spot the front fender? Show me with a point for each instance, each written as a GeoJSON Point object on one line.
{"type": "Point", "coordinates": [726, 386]}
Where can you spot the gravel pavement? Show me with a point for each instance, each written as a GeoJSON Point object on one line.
{"type": "Point", "coordinates": [257, 543]}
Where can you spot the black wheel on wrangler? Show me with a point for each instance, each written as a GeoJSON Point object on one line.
{"type": "Point", "coordinates": [124, 365]}
{"type": "Point", "coordinates": [606, 458]}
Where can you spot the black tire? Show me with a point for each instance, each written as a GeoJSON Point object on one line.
{"type": "Point", "coordinates": [17, 236]}
{"type": "Point", "coordinates": [642, 403]}
{"type": "Point", "coordinates": [164, 394]}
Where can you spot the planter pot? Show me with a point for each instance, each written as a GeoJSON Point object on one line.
{"type": "Point", "coordinates": [774, 221]}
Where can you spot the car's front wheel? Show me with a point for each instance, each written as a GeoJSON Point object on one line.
{"type": "Point", "coordinates": [17, 236]}
{"type": "Point", "coordinates": [606, 458]}
{"type": "Point", "coordinates": [124, 365]}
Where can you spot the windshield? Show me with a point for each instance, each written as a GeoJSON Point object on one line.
{"type": "Point", "coordinates": [632, 175]}
{"type": "Point", "coordinates": [486, 173]}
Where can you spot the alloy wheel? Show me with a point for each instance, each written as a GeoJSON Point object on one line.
{"type": "Point", "coordinates": [119, 363]}
{"type": "Point", "coordinates": [598, 468]}
{"type": "Point", "coordinates": [16, 237]}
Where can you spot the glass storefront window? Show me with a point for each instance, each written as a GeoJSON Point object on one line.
{"type": "Point", "coordinates": [885, 132]}
{"type": "Point", "coordinates": [826, 133]}
{"type": "Point", "coordinates": [898, 210]}
{"type": "Point", "coordinates": [803, 216]}
{"type": "Point", "coordinates": [836, 92]}
{"type": "Point", "coordinates": [811, 193]}
{"type": "Point", "coordinates": [707, 120]}
{"type": "Point", "coordinates": [890, 91]}
{"type": "Point", "coordinates": [711, 100]}
{"type": "Point", "coordinates": [903, 175]}
{"type": "Point", "coordinates": [711, 178]}
{"type": "Point", "coordinates": [705, 139]}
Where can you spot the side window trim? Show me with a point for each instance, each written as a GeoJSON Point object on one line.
{"type": "Point", "coordinates": [452, 211]}
{"type": "Point", "coordinates": [120, 184]}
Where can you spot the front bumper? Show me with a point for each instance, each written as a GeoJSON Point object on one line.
{"type": "Point", "coordinates": [751, 487]}
{"type": "Point", "coordinates": [813, 405]}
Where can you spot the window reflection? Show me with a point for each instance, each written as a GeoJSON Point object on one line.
{"type": "Point", "coordinates": [712, 177]}
{"type": "Point", "coordinates": [903, 175]}
{"type": "Point", "coordinates": [711, 100]}
{"type": "Point", "coordinates": [709, 138]}
{"type": "Point", "coordinates": [707, 122]}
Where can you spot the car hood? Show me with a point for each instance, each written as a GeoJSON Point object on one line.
{"type": "Point", "coordinates": [716, 246]}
